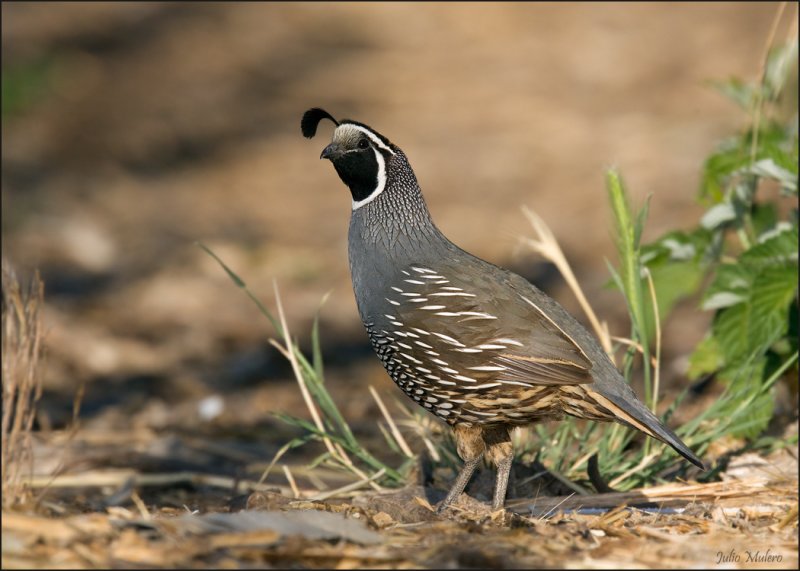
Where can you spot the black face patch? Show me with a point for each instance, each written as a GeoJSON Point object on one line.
{"type": "Point", "coordinates": [358, 169]}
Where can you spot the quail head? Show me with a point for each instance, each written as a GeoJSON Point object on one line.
{"type": "Point", "coordinates": [476, 345]}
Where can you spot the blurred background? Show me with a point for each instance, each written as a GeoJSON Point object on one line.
{"type": "Point", "coordinates": [131, 130]}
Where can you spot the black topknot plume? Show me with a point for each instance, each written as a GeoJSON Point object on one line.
{"type": "Point", "coordinates": [311, 119]}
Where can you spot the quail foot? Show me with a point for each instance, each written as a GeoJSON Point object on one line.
{"type": "Point", "coordinates": [476, 345]}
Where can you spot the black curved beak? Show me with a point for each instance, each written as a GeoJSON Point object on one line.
{"type": "Point", "coordinates": [331, 152]}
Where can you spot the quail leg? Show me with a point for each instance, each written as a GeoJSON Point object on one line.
{"type": "Point", "coordinates": [501, 485]}
{"type": "Point", "coordinates": [460, 483]}
{"type": "Point", "coordinates": [471, 447]}
{"type": "Point", "coordinates": [500, 452]}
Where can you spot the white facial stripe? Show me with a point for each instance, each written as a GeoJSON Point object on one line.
{"type": "Point", "coordinates": [381, 181]}
{"type": "Point", "coordinates": [375, 139]}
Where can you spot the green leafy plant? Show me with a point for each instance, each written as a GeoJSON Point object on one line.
{"type": "Point", "coordinates": [741, 259]}
{"type": "Point", "coordinates": [743, 256]}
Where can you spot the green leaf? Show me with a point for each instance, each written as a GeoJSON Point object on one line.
{"type": "Point", "coordinates": [677, 246]}
{"type": "Point", "coordinates": [781, 147]}
{"type": "Point", "coordinates": [780, 63]}
{"type": "Point", "coordinates": [750, 327]}
{"type": "Point", "coordinates": [231, 274]}
{"type": "Point", "coordinates": [730, 156]}
{"type": "Point", "coordinates": [731, 328]}
{"type": "Point", "coordinates": [673, 281]}
{"type": "Point", "coordinates": [763, 217]}
{"type": "Point", "coordinates": [731, 285]}
{"type": "Point", "coordinates": [641, 218]}
{"type": "Point", "coordinates": [767, 168]}
{"type": "Point", "coordinates": [753, 421]}
{"type": "Point", "coordinates": [777, 248]}
{"type": "Point", "coordinates": [718, 215]}
{"type": "Point", "coordinates": [240, 283]}
{"type": "Point", "coordinates": [680, 250]}
{"type": "Point", "coordinates": [316, 348]}
{"type": "Point", "coordinates": [722, 299]}
{"type": "Point", "coordinates": [705, 359]}
{"type": "Point", "coordinates": [749, 413]}
{"type": "Point", "coordinates": [676, 262]}
{"type": "Point", "coordinates": [773, 291]}
{"type": "Point", "coordinates": [741, 93]}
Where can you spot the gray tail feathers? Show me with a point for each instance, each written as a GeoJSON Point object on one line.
{"type": "Point", "coordinates": [647, 422]}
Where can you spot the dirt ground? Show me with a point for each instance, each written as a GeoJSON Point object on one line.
{"type": "Point", "coordinates": [147, 127]}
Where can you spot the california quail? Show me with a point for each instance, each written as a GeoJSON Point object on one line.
{"type": "Point", "coordinates": [476, 345]}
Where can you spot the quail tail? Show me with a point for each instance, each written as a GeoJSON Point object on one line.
{"type": "Point", "coordinates": [654, 428]}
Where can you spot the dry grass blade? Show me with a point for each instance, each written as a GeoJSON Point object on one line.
{"type": "Point", "coordinates": [631, 343]}
{"type": "Point", "coordinates": [546, 244]}
{"type": "Point", "coordinates": [287, 351]}
{"type": "Point", "coordinates": [640, 466]}
{"type": "Point", "coordinates": [401, 442]}
{"type": "Point", "coordinates": [21, 383]}
{"type": "Point", "coordinates": [298, 374]}
{"type": "Point", "coordinates": [140, 505]}
{"type": "Point", "coordinates": [360, 473]}
{"type": "Point", "coordinates": [759, 98]}
{"type": "Point", "coordinates": [549, 512]}
{"type": "Point", "coordinates": [791, 517]}
{"type": "Point", "coordinates": [657, 357]}
{"type": "Point", "coordinates": [290, 479]}
{"type": "Point", "coordinates": [283, 450]}
{"type": "Point", "coordinates": [423, 427]}
{"type": "Point", "coordinates": [349, 487]}
{"type": "Point", "coordinates": [569, 483]}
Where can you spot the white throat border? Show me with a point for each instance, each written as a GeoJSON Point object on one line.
{"type": "Point", "coordinates": [379, 188]}
{"type": "Point", "coordinates": [381, 183]}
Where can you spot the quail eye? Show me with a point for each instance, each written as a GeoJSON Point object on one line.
{"type": "Point", "coordinates": [363, 144]}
